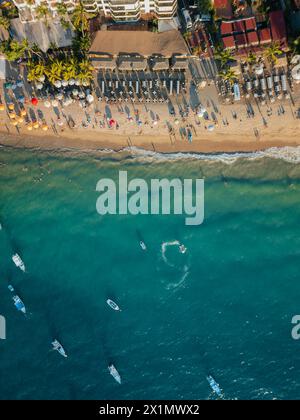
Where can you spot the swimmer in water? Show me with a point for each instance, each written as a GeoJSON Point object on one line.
{"type": "Point", "coordinates": [182, 249]}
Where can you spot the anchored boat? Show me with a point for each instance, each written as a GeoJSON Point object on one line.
{"type": "Point", "coordinates": [18, 262]}
{"type": "Point", "coordinates": [58, 347]}
{"type": "Point", "coordinates": [113, 305]}
{"type": "Point", "coordinates": [17, 301]}
{"type": "Point", "coordinates": [114, 373]}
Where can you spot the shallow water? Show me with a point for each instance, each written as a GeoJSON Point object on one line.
{"type": "Point", "coordinates": [224, 307]}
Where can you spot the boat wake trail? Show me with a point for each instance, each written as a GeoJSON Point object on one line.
{"type": "Point", "coordinates": [184, 271]}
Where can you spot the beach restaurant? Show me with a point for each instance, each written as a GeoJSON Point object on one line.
{"type": "Point", "coordinates": [139, 51]}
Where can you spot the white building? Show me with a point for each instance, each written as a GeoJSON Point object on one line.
{"type": "Point", "coordinates": [118, 10]}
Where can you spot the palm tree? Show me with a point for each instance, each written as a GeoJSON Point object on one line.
{"type": "Point", "coordinates": [4, 23]}
{"type": "Point", "coordinates": [43, 12]}
{"type": "Point", "coordinates": [85, 70]}
{"type": "Point", "coordinates": [272, 52]}
{"type": "Point", "coordinates": [224, 56]}
{"type": "Point", "coordinates": [80, 18]}
{"type": "Point", "coordinates": [54, 71]}
{"type": "Point", "coordinates": [228, 75]}
{"type": "Point", "coordinates": [35, 71]}
{"type": "Point", "coordinates": [252, 58]}
{"type": "Point", "coordinates": [70, 69]}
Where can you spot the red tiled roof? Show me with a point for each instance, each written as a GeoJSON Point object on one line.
{"type": "Point", "coordinates": [241, 40]}
{"type": "Point", "coordinates": [226, 28]}
{"type": "Point", "coordinates": [239, 26]}
{"type": "Point", "coordinates": [278, 26]}
{"type": "Point", "coordinates": [252, 38]}
{"type": "Point", "coordinates": [228, 42]}
{"type": "Point", "coordinates": [265, 35]}
{"type": "Point", "coordinates": [250, 24]}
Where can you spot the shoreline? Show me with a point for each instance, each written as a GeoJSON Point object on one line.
{"type": "Point", "coordinates": [101, 142]}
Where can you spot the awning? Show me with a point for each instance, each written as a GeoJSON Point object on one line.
{"type": "Point", "coordinates": [158, 64]}
{"type": "Point", "coordinates": [180, 63]}
{"type": "Point", "coordinates": [104, 63]}
{"type": "Point", "coordinates": [132, 63]}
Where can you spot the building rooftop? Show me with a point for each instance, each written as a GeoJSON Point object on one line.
{"type": "Point", "coordinates": [250, 24]}
{"type": "Point", "coordinates": [229, 42]}
{"type": "Point", "coordinates": [265, 36]}
{"type": "Point", "coordinates": [278, 27]}
{"type": "Point", "coordinates": [238, 26]}
{"type": "Point", "coordinates": [143, 43]}
{"type": "Point", "coordinates": [252, 38]}
{"type": "Point", "coordinates": [241, 40]}
{"type": "Point", "coordinates": [223, 9]}
{"type": "Point", "coordinates": [41, 34]}
{"type": "Point", "coordinates": [226, 28]}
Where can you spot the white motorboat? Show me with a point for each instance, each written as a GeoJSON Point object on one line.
{"type": "Point", "coordinates": [113, 305]}
{"type": "Point", "coordinates": [58, 347]}
{"type": "Point", "coordinates": [143, 246]}
{"type": "Point", "coordinates": [114, 373]}
{"type": "Point", "coordinates": [18, 262]}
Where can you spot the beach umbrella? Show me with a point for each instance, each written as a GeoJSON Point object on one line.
{"type": "Point", "coordinates": [29, 127]}
{"type": "Point", "coordinates": [42, 79]}
{"type": "Point", "coordinates": [21, 99]}
{"type": "Point", "coordinates": [59, 96]}
{"type": "Point", "coordinates": [47, 104]}
{"type": "Point", "coordinates": [54, 103]}
{"type": "Point", "coordinates": [23, 112]}
{"type": "Point", "coordinates": [13, 86]}
{"type": "Point", "coordinates": [34, 101]}
{"type": "Point", "coordinates": [12, 115]}
{"type": "Point", "coordinates": [36, 125]}
{"type": "Point", "coordinates": [7, 85]}
{"type": "Point", "coordinates": [64, 83]}
{"type": "Point", "coordinates": [57, 84]}
{"type": "Point", "coordinates": [155, 122]}
{"type": "Point", "coordinates": [2, 107]}
{"type": "Point", "coordinates": [85, 83]}
{"type": "Point", "coordinates": [176, 122]}
{"type": "Point", "coordinates": [20, 83]}
{"type": "Point", "coordinates": [112, 122]}
{"type": "Point", "coordinates": [45, 127]}
{"type": "Point", "coordinates": [71, 82]}
{"type": "Point", "coordinates": [211, 127]}
{"type": "Point", "coordinates": [90, 98]}
{"type": "Point", "coordinates": [81, 95]}
{"type": "Point", "coordinates": [14, 122]}
{"type": "Point", "coordinates": [20, 120]}
{"type": "Point", "coordinates": [11, 107]}
{"type": "Point", "coordinates": [39, 86]}
{"type": "Point", "coordinates": [75, 92]}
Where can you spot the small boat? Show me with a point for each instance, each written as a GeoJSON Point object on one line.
{"type": "Point", "coordinates": [143, 246]}
{"type": "Point", "coordinates": [18, 262]}
{"type": "Point", "coordinates": [58, 347]}
{"type": "Point", "coordinates": [17, 301]}
{"type": "Point", "coordinates": [114, 373]}
{"type": "Point", "coordinates": [113, 305]}
{"type": "Point", "coordinates": [215, 386]}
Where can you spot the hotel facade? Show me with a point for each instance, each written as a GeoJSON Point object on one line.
{"type": "Point", "coordinates": [117, 10]}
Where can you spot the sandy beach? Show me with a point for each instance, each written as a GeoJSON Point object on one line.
{"type": "Point", "coordinates": [151, 126]}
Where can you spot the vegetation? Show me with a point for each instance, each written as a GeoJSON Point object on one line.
{"type": "Point", "coordinates": [205, 6]}
{"type": "Point", "coordinates": [42, 12]}
{"type": "Point", "coordinates": [228, 75]}
{"type": "Point", "coordinates": [252, 58]}
{"type": "Point", "coordinates": [4, 22]}
{"type": "Point", "coordinates": [224, 56]}
{"type": "Point", "coordinates": [272, 53]}
{"type": "Point", "coordinates": [59, 69]}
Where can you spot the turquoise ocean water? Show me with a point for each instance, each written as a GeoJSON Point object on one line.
{"type": "Point", "coordinates": [224, 307]}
